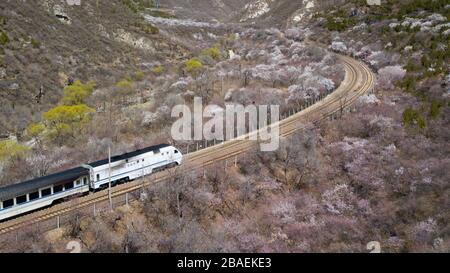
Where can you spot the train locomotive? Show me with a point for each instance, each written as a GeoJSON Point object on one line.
{"type": "Point", "coordinates": [34, 194]}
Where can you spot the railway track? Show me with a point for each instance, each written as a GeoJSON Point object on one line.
{"type": "Point", "coordinates": [358, 80]}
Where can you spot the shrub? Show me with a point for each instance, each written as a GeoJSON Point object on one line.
{"type": "Point", "coordinates": [124, 84]}
{"type": "Point", "coordinates": [159, 13]}
{"type": "Point", "coordinates": [65, 121]}
{"type": "Point", "coordinates": [150, 29]}
{"type": "Point", "coordinates": [10, 148]}
{"type": "Point", "coordinates": [412, 117]}
{"type": "Point", "coordinates": [137, 5]}
{"type": "Point", "coordinates": [139, 75]}
{"type": "Point", "coordinates": [35, 43]}
{"type": "Point", "coordinates": [412, 66]}
{"type": "Point", "coordinates": [213, 52]}
{"type": "Point", "coordinates": [158, 70]}
{"type": "Point", "coordinates": [408, 84]}
{"type": "Point", "coordinates": [4, 39]}
{"type": "Point", "coordinates": [193, 66]}
{"type": "Point", "coordinates": [125, 88]}
{"type": "Point", "coordinates": [435, 109]}
{"type": "Point", "coordinates": [77, 93]}
{"type": "Point", "coordinates": [35, 130]}
{"type": "Point", "coordinates": [146, 27]}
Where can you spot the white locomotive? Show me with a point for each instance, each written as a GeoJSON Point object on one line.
{"type": "Point", "coordinates": [45, 191]}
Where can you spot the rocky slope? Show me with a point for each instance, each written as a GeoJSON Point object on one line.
{"type": "Point", "coordinates": [45, 44]}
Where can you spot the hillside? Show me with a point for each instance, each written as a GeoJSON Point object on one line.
{"type": "Point", "coordinates": [48, 43]}
{"type": "Point", "coordinates": [378, 172]}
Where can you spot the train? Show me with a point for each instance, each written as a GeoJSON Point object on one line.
{"type": "Point", "coordinates": [31, 195]}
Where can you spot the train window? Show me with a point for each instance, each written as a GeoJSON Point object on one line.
{"type": "Point", "coordinates": [84, 180]}
{"type": "Point", "coordinates": [176, 151]}
{"type": "Point", "coordinates": [8, 203]}
{"type": "Point", "coordinates": [98, 177]}
{"type": "Point", "coordinates": [46, 192]}
{"type": "Point", "coordinates": [33, 196]}
{"type": "Point", "coordinates": [21, 199]}
{"type": "Point", "coordinates": [58, 188]}
{"type": "Point", "coordinates": [69, 185]}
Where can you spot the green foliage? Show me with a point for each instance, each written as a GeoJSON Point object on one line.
{"type": "Point", "coordinates": [435, 108]}
{"type": "Point", "coordinates": [193, 66]}
{"type": "Point", "coordinates": [408, 84]}
{"type": "Point", "coordinates": [412, 117]}
{"type": "Point", "coordinates": [124, 87]}
{"type": "Point", "coordinates": [137, 5]}
{"type": "Point", "coordinates": [67, 114]}
{"type": "Point", "coordinates": [158, 70]}
{"type": "Point", "coordinates": [398, 28]}
{"type": "Point", "coordinates": [146, 27]}
{"type": "Point", "coordinates": [10, 148]}
{"type": "Point", "coordinates": [160, 13]}
{"type": "Point", "coordinates": [385, 29]}
{"type": "Point", "coordinates": [77, 93]}
{"type": "Point", "coordinates": [65, 121]}
{"type": "Point", "coordinates": [124, 84]}
{"type": "Point", "coordinates": [2, 20]}
{"type": "Point", "coordinates": [35, 43]}
{"type": "Point", "coordinates": [407, 7]}
{"type": "Point", "coordinates": [412, 66]}
{"type": "Point", "coordinates": [139, 75]}
{"type": "Point", "coordinates": [425, 61]}
{"type": "Point", "coordinates": [334, 25]}
{"type": "Point", "coordinates": [338, 21]}
{"type": "Point", "coordinates": [4, 39]}
{"type": "Point", "coordinates": [213, 52]}
{"type": "Point", "coordinates": [35, 130]}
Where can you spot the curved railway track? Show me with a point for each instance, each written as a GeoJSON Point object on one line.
{"type": "Point", "coordinates": [358, 80]}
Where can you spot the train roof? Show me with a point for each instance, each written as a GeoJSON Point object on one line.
{"type": "Point", "coordinates": [28, 186]}
{"type": "Point", "coordinates": [128, 155]}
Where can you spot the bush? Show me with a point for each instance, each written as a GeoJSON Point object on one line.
{"type": "Point", "coordinates": [158, 70]}
{"type": "Point", "coordinates": [139, 75]}
{"type": "Point", "coordinates": [4, 39]}
{"type": "Point", "coordinates": [146, 27]}
{"type": "Point", "coordinates": [150, 29]}
{"type": "Point", "coordinates": [408, 84]}
{"type": "Point", "coordinates": [124, 89]}
{"type": "Point", "coordinates": [193, 66]}
{"type": "Point", "coordinates": [64, 121]}
{"type": "Point", "coordinates": [412, 117]}
{"type": "Point", "coordinates": [10, 148]}
{"type": "Point", "coordinates": [159, 13]}
{"type": "Point", "coordinates": [35, 43]}
{"type": "Point", "coordinates": [137, 5]}
{"type": "Point", "coordinates": [435, 109]}
{"type": "Point", "coordinates": [412, 66]}
{"type": "Point", "coordinates": [35, 130]}
{"type": "Point", "coordinates": [338, 24]}
{"type": "Point", "coordinates": [77, 93]}
{"type": "Point", "coordinates": [213, 52]}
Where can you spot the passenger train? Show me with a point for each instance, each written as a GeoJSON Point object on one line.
{"type": "Point", "coordinates": [41, 192]}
